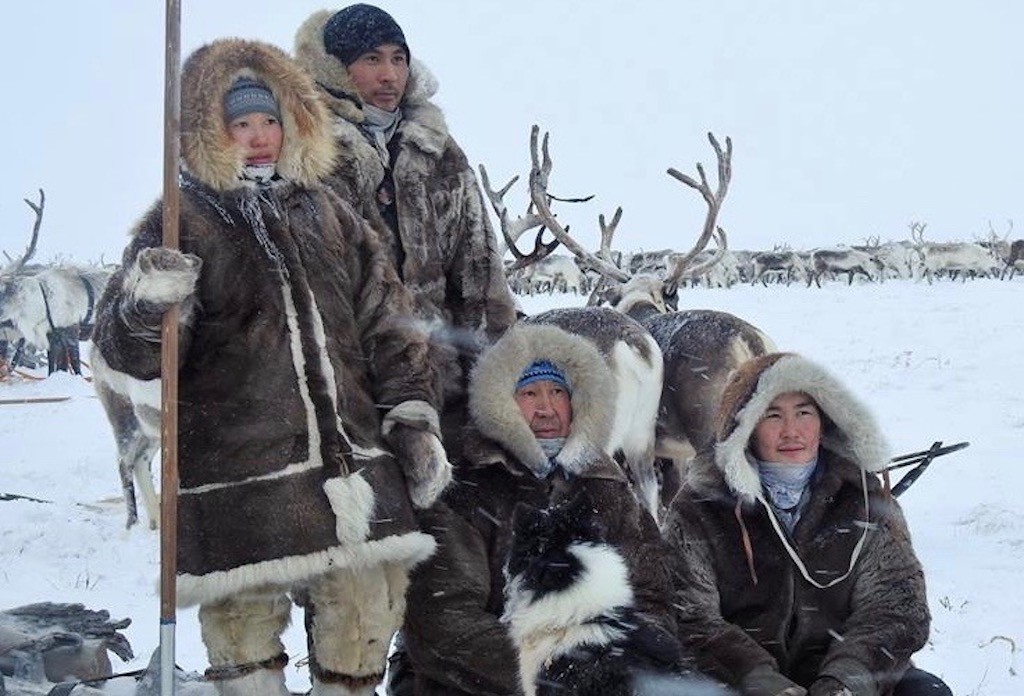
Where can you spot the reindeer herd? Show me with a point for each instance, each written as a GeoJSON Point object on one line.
{"type": "Point", "coordinates": [913, 258]}
{"type": "Point", "coordinates": [670, 364]}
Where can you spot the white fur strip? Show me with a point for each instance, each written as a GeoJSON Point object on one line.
{"type": "Point", "coordinates": [352, 501]}
{"type": "Point", "coordinates": [406, 549]}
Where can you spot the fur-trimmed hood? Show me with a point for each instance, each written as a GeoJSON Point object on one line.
{"type": "Point", "coordinates": [308, 150]}
{"type": "Point", "coordinates": [339, 91]}
{"type": "Point", "coordinates": [495, 413]}
{"type": "Point", "coordinates": [848, 428]}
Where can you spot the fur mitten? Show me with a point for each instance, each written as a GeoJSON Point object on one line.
{"type": "Point", "coordinates": [411, 430]}
{"type": "Point", "coordinates": [159, 278]}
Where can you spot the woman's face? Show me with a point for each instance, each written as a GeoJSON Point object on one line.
{"type": "Point", "coordinates": [789, 431]}
{"type": "Point", "coordinates": [260, 136]}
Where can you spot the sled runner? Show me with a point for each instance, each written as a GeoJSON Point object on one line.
{"type": "Point", "coordinates": [918, 460]}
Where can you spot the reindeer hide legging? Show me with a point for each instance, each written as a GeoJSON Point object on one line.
{"type": "Point", "coordinates": [350, 618]}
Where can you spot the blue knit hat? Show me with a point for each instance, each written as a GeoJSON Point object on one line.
{"type": "Point", "coordinates": [540, 371]}
{"type": "Point", "coordinates": [249, 96]}
{"type": "Point", "coordinates": [356, 29]}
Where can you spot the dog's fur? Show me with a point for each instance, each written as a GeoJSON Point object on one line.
{"type": "Point", "coordinates": [570, 610]}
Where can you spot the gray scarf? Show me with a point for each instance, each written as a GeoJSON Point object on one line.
{"type": "Point", "coordinates": [787, 488]}
{"type": "Point", "coordinates": [379, 126]}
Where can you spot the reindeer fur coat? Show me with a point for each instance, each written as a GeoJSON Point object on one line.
{"type": "Point", "coordinates": [753, 619]}
{"type": "Point", "coordinates": [454, 642]}
{"type": "Point", "coordinates": [444, 246]}
{"type": "Point", "coordinates": [296, 341]}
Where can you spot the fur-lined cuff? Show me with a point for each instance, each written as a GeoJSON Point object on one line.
{"type": "Point", "coordinates": [413, 413]}
{"type": "Point", "coordinates": [352, 500]}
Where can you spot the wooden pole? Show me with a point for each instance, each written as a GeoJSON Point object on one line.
{"type": "Point", "coordinates": [169, 356]}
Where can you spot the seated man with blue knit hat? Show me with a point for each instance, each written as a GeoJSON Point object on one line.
{"type": "Point", "coordinates": [541, 403]}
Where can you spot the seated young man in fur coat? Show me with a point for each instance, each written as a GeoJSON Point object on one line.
{"type": "Point", "coordinates": [795, 574]}
{"type": "Point", "coordinates": [541, 401]}
{"type": "Point", "coordinates": [298, 363]}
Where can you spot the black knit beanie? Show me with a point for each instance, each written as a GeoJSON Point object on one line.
{"type": "Point", "coordinates": [356, 29]}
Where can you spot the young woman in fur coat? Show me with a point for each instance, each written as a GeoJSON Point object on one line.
{"type": "Point", "coordinates": [299, 362]}
{"type": "Point", "coordinates": [794, 568]}
{"type": "Point", "coordinates": [401, 164]}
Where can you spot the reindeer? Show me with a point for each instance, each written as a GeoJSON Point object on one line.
{"type": "Point", "coordinates": [133, 410]}
{"type": "Point", "coordinates": [838, 260]}
{"type": "Point", "coordinates": [1014, 260]}
{"type": "Point", "coordinates": [781, 264]}
{"type": "Point", "coordinates": [954, 258]}
{"type": "Point", "coordinates": [49, 305]}
{"type": "Point", "coordinates": [699, 347]}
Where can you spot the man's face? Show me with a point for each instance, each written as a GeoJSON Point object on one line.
{"type": "Point", "coordinates": [546, 407]}
{"type": "Point", "coordinates": [380, 76]}
{"type": "Point", "coordinates": [789, 431]}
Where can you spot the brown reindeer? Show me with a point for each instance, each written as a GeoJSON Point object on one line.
{"type": "Point", "coordinates": [699, 347]}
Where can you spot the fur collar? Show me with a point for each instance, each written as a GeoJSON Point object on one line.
{"type": "Point", "coordinates": [494, 409]}
{"type": "Point", "coordinates": [849, 429]}
{"type": "Point", "coordinates": [308, 151]}
{"type": "Point", "coordinates": [423, 122]}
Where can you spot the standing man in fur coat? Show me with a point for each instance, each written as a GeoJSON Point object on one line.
{"type": "Point", "coordinates": [298, 364]}
{"type": "Point", "coordinates": [795, 574]}
{"type": "Point", "coordinates": [542, 403]}
{"type": "Point", "coordinates": [406, 173]}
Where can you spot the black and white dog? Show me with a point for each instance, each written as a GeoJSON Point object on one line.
{"type": "Point", "coordinates": [570, 610]}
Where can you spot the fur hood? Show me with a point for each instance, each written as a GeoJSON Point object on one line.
{"type": "Point", "coordinates": [495, 413]}
{"type": "Point", "coordinates": [308, 151]}
{"type": "Point", "coordinates": [849, 429]}
{"type": "Point", "coordinates": [340, 93]}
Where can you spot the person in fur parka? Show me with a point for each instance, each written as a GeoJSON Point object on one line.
{"type": "Point", "coordinates": [402, 168]}
{"type": "Point", "coordinates": [298, 364]}
{"type": "Point", "coordinates": [794, 569]}
{"type": "Point", "coordinates": [453, 640]}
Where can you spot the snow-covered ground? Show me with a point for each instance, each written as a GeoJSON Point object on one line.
{"type": "Point", "coordinates": [940, 362]}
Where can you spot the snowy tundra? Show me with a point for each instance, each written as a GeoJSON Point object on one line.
{"type": "Point", "coordinates": [936, 362]}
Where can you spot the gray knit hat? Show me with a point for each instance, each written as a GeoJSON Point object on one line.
{"type": "Point", "coordinates": [356, 29]}
{"type": "Point", "coordinates": [248, 96]}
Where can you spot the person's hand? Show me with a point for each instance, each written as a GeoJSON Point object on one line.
{"type": "Point", "coordinates": [424, 461]}
{"type": "Point", "coordinates": [161, 278]}
{"type": "Point", "coordinates": [828, 686]}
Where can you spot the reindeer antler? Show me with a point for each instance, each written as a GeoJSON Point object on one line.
{"type": "Point", "coordinates": [16, 265]}
{"type": "Point", "coordinates": [539, 174]}
{"type": "Point", "coordinates": [713, 199]}
{"type": "Point", "coordinates": [512, 230]}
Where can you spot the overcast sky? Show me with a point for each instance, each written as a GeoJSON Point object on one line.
{"type": "Point", "coordinates": [848, 119]}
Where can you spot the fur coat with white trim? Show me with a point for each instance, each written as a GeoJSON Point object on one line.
{"type": "Point", "coordinates": [454, 642]}
{"type": "Point", "coordinates": [749, 616]}
{"type": "Point", "coordinates": [444, 245]}
{"type": "Point", "coordinates": [296, 344]}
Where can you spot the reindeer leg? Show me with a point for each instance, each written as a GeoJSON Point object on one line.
{"type": "Point", "coordinates": [142, 451]}
{"type": "Point", "coordinates": [124, 468]}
